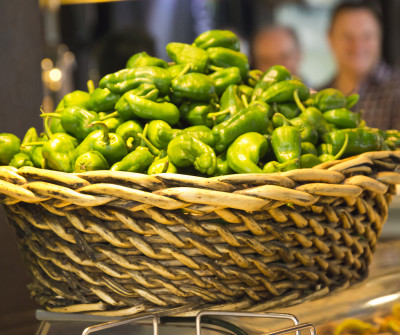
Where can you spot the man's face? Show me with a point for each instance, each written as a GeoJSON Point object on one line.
{"type": "Point", "coordinates": [355, 39]}
{"type": "Point", "coordinates": [276, 47]}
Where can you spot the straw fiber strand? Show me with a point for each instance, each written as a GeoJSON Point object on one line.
{"type": "Point", "coordinates": [125, 243]}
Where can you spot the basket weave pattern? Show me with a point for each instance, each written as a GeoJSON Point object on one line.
{"type": "Point", "coordinates": [119, 243]}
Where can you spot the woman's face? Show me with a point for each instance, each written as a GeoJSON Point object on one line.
{"type": "Point", "coordinates": [355, 39]}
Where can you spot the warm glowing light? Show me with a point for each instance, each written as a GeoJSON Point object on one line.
{"type": "Point", "coordinates": [55, 74]}
{"type": "Point", "coordinates": [383, 300]}
{"type": "Point", "coordinates": [46, 64]}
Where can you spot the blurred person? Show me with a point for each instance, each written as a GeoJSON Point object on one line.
{"type": "Point", "coordinates": [276, 45]}
{"type": "Point", "coordinates": [355, 37]}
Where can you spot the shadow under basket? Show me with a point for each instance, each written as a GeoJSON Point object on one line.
{"type": "Point", "coordinates": [121, 243]}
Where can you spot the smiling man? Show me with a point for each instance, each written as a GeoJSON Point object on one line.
{"type": "Point", "coordinates": [355, 36]}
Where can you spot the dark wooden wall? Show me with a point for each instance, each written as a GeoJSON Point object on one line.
{"type": "Point", "coordinates": [20, 99]}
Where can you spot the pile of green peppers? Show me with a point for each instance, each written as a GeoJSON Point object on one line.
{"type": "Point", "coordinates": [204, 113]}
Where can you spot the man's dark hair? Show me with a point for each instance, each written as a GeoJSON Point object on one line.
{"type": "Point", "coordinates": [372, 6]}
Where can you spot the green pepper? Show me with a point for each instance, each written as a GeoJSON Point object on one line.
{"type": "Point", "coordinates": [351, 100]}
{"type": "Point", "coordinates": [223, 166]}
{"type": "Point", "coordinates": [186, 150]}
{"type": "Point", "coordinates": [230, 104]}
{"type": "Point", "coordinates": [144, 59]}
{"type": "Point", "coordinates": [309, 160]}
{"type": "Point", "coordinates": [342, 118]}
{"type": "Point", "coordinates": [162, 165]}
{"type": "Point", "coordinates": [75, 121]}
{"type": "Point", "coordinates": [313, 116]}
{"type": "Point", "coordinates": [142, 108]}
{"type": "Point", "coordinates": [9, 146]}
{"type": "Point", "coordinates": [177, 70]}
{"type": "Point", "coordinates": [224, 57]}
{"type": "Point", "coordinates": [113, 123]}
{"type": "Point", "coordinates": [77, 99]}
{"type": "Point", "coordinates": [196, 113]}
{"type": "Point", "coordinates": [251, 119]}
{"type": "Point", "coordinates": [91, 161]}
{"type": "Point", "coordinates": [55, 124]}
{"type": "Point", "coordinates": [286, 143]}
{"type": "Point", "coordinates": [30, 136]}
{"type": "Point", "coordinates": [360, 140]}
{"type": "Point", "coordinates": [182, 53]}
{"type": "Point", "coordinates": [130, 129]}
{"type": "Point", "coordinates": [245, 152]}
{"type": "Point", "coordinates": [20, 159]}
{"type": "Point", "coordinates": [283, 91]}
{"type": "Point", "coordinates": [203, 133]}
{"type": "Point", "coordinates": [253, 77]}
{"type": "Point", "coordinates": [270, 77]}
{"type": "Point", "coordinates": [329, 98]}
{"type": "Point", "coordinates": [245, 90]}
{"type": "Point", "coordinates": [58, 152]}
{"type": "Point", "coordinates": [37, 157]}
{"type": "Point", "coordinates": [160, 133]}
{"type": "Point", "coordinates": [102, 100]}
{"type": "Point", "coordinates": [224, 77]}
{"type": "Point", "coordinates": [217, 38]}
{"type": "Point", "coordinates": [136, 161]}
{"type": "Point", "coordinates": [329, 157]}
{"type": "Point", "coordinates": [127, 79]}
{"type": "Point", "coordinates": [193, 86]}
{"type": "Point", "coordinates": [110, 145]}
{"type": "Point", "coordinates": [274, 166]}
{"type": "Point", "coordinates": [289, 109]}
{"type": "Point", "coordinates": [308, 131]}
{"type": "Point", "coordinates": [308, 148]}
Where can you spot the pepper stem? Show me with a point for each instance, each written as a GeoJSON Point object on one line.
{"type": "Point", "coordinates": [31, 144]}
{"type": "Point", "coordinates": [109, 116]}
{"type": "Point", "coordinates": [285, 121]}
{"type": "Point", "coordinates": [129, 142]}
{"type": "Point", "coordinates": [214, 68]}
{"type": "Point", "coordinates": [281, 166]}
{"type": "Point", "coordinates": [215, 114]}
{"type": "Point", "coordinates": [104, 129]}
{"type": "Point", "coordinates": [90, 86]}
{"type": "Point", "coordinates": [298, 102]}
{"type": "Point", "coordinates": [55, 115]}
{"type": "Point", "coordinates": [184, 70]}
{"type": "Point", "coordinates": [244, 100]}
{"type": "Point", "coordinates": [148, 144]}
{"type": "Point", "coordinates": [343, 149]}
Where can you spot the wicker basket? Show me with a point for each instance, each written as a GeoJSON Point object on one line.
{"type": "Point", "coordinates": [120, 243]}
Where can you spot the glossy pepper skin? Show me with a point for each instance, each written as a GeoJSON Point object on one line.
{"type": "Point", "coordinates": [251, 119]}
{"type": "Point", "coordinates": [162, 165]}
{"type": "Point", "coordinates": [102, 100]}
{"type": "Point", "coordinates": [144, 59]}
{"type": "Point", "coordinates": [286, 143]}
{"type": "Point", "coordinates": [30, 136]}
{"type": "Point", "coordinates": [217, 38]}
{"type": "Point", "coordinates": [224, 57]}
{"type": "Point", "coordinates": [37, 157]}
{"type": "Point", "coordinates": [230, 104]}
{"type": "Point", "coordinates": [128, 79]}
{"type": "Point", "coordinates": [245, 152]}
{"type": "Point", "coordinates": [76, 121]}
{"type": "Point", "coordinates": [122, 107]}
{"type": "Point", "coordinates": [177, 70]}
{"type": "Point", "coordinates": [9, 146]}
{"type": "Point", "coordinates": [270, 77]}
{"type": "Point", "coordinates": [91, 161]}
{"type": "Point", "coordinates": [329, 98]}
{"type": "Point", "coordinates": [309, 160]}
{"type": "Point", "coordinates": [223, 168]}
{"type": "Point", "coordinates": [224, 77]}
{"type": "Point", "coordinates": [182, 53]}
{"type": "Point", "coordinates": [196, 113]}
{"type": "Point", "coordinates": [110, 145]}
{"type": "Point", "coordinates": [160, 133]}
{"type": "Point", "coordinates": [253, 77]}
{"type": "Point", "coordinates": [351, 100]}
{"type": "Point", "coordinates": [342, 118]}
{"type": "Point", "coordinates": [130, 129]}
{"type": "Point", "coordinates": [308, 148]}
{"type": "Point", "coordinates": [141, 108]}
{"type": "Point", "coordinates": [186, 150]}
{"type": "Point", "coordinates": [308, 131]}
{"type": "Point", "coordinates": [20, 159]}
{"type": "Point", "coordinates": [138, 160]}
{"type": "Point", "coordinates": [360, 140]}
{"type": "Point", "coordinates": [274, 166]}
{"type": "Point", "coordinates": [283, 91]}
{"type": "Point", "coordinates": [77, 99]}
{"type": "Point", "coordinates": [58, 152]}
{"type": "Point", "coordinates": [203, 133]}
{"type": "Point", "coordinates": [194, 87]}
{"type": "Point", "coordinates": [289, 109]}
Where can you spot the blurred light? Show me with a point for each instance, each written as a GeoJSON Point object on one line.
{"type": "Point", "coordinates": [383, 300]}
{"type": "Point", "coordinates": [54, 3]}
{"type": "Point", "coordinates": [46, 64]}
{"type": "Point", "coordinates": [55, 74]}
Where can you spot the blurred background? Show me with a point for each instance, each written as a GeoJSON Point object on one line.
{"type": "Point", "coordinates": [52, 47]}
